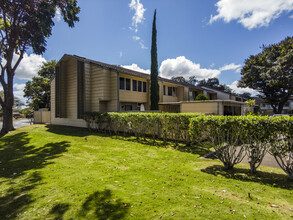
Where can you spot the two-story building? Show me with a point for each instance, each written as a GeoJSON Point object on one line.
{"type": "Point", "coordinates": [83, 85]}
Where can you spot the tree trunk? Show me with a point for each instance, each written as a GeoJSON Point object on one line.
{"type": "Point", "coordinates": [8, 105]}
{"type": "Point", "coordinates": [7, 120]}
{"type": "Point", "coordinates": [252, 167]}
{"type": "Point", "coordinates": [280, 108]}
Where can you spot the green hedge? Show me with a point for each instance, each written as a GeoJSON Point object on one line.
{"type": "Point", "coordinates": [233, 137]}
{"type": "Point", "coordinates": [172, 126]}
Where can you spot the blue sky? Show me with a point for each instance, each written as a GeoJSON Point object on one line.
{"type": "Point", "coordinates": [195, 37]}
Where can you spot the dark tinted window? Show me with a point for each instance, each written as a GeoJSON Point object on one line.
{"type": "Point", "coordinates": [122, 86]}
{"type": "Point", "coordinates": [144, 87]}
{"type": "Point", "coordinates": [134, 85]}
{"type": "Point", "coordinates": [164, 90]}
{"type": "Point", "coordinates": [127, 84]}
{"type": "Point", "coordinates": [139, 86]}
{"type": "Point", "coordinates": [169, 91]}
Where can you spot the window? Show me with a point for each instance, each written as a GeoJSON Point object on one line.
{"type": "Point", "coordinates": [287, 104]}
{"type": "Point", "coordinates": [144, 87]}
{"type": "Point", "coordinates": [139, 86]}
{"type": "Point", "coordinates": [128, 107]}
{"type": "Point", "coordinates": [169, 91]}
{"type": "Point", "coordinates": [164, 90]}
{"type": "Point", "coordinates": [122, 84]}
{"type": "Point", "coordinates": [174, 91]}
{"type": "Point", "coordinates": [127, 84]}
{"type": "Point", "coordinates": [134, 85]}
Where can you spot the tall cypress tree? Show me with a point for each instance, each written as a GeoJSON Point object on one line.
{"type": "Point", "coordinates": [154, 69]}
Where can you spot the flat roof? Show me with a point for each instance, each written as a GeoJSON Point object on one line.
{"type": "Point", "coordinates": [203, 101]}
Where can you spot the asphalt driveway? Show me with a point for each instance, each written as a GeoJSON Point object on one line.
{"type": "Point", "coordinates": [19, 123]}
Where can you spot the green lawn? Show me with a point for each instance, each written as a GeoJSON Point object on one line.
{"type": "Point", "coordinates": [51, 172]}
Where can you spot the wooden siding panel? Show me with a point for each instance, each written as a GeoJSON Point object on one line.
{"type": "Point", "coordinates": [87, 79]}
{"type": "Point", "coordinates": [71, 89]}
{"type": "Point", "coordinates": [205, 108]}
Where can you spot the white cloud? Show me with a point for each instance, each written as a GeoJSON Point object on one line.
{"type": "Point", "coordinates": [19, 86]}
{"type": "Point", "coordinates": [135, 67]}
{"type": "Point", "coordinates": [58, 14]}
{"type": "Point", "coordinates": [251, 13]}
{"type": "Point", "coordinates": [186, 68]}
{"type": "Point", "coordinates": [234, 87]}
{"type": "Point", "coordinates": [29, 66]}
{"type": "Point", "coordinates": [231, 66]}
{"type": "Point", "coordinates": [138, 16]}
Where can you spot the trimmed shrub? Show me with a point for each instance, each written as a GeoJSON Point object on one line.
{"type": "Point", "coordinates": [201, 97]}
{"type": "Point", "coordinates": [225, 132]}
{"type": "Point", "coordinates": [281, 143]}
{"type": "Point", "coordinates": [168, 126]}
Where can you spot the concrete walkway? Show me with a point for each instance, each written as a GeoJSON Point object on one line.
{"type": "Point", "coordinates": [268, 160]}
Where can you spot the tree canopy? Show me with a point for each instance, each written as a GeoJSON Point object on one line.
{"type": "Point", "coordinates": [270, 73]}
{"type": "Point", "coordinates": [38, 90]}
{"type": "Point", "coordinates": [26, 24]}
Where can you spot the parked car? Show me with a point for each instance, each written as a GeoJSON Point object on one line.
{"type": "Point", "coordinates": [16, 116]}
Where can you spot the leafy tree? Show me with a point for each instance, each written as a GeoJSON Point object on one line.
{"type": "Point", "coordinates": [192, 80]}
{"type": "Point", "coordinates": [212, 82]}
{"type": "Point", "coordinates": [179, 79]}
{"type": "Point", "coordinates": [26, 25]}
{"type": "Point", "coordinates": [38, 90]}
{"type": "Point", "coordinates": [48, 70]}
{"type": "Point", "coordinates": [17, 103]}
{"type": "Point", "coordinates": [154, 69]}
{"type": "Point", "coordinates": [201, 97]}
{"type": "Point", "coordinates": [246, 95]}
{"type": "Point", "coordinates": [271, 73]}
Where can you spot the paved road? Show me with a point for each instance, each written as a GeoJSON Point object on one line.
{"type": "Point", "coordinates": [19, 123]}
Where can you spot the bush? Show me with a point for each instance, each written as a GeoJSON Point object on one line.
{"type": "Point", "coordinates": [281, 144]}
{"type": "Point", "coordinates": [225, 132]}
{"type": "Point", "coordinates": [168, 126]}
{"type": "Point", "coordinates": [232, 136]}
{"type": "Point", "coordinates": [201, 97]}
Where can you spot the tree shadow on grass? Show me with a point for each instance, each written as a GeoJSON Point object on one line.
{"type": "Point", "coordinates": [83, 132]}
{"type": "Point", "coordinates": [17, 157]}
{"type": "Point", "coordinates": [197, 149]}
{"type": "Point", "coordinates": [266, 178]}
{"type": "Point", "coordinates": [102, 205]}
{"type": "Point", "coordinates": [68, 131]}
{"type": "Point", "coordinates": [59, 210]}
{"type": "Point", "coordinates": [17, 197]}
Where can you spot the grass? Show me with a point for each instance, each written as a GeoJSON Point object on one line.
{"type": "Point", "coordinates": [53, 172]}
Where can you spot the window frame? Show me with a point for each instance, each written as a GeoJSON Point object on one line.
{"type": "Point", "coordinates": [144, 87]}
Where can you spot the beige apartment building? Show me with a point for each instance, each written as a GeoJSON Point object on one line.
{"type": "Point", "coordinates": [83, 85]}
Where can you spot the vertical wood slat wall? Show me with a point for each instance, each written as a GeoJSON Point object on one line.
{"type": "Point", "coordinates": [80, 89]}
{"type": "Point", "coordinates": [57, 92]}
